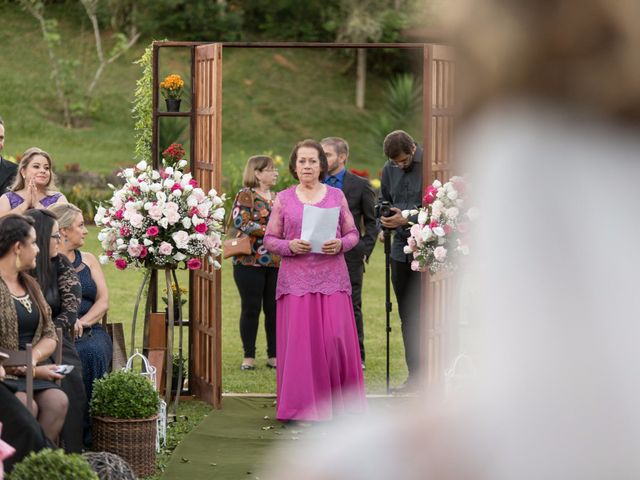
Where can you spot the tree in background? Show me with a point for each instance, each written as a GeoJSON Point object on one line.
{"type": "Point", "coordinates": [63, 68]}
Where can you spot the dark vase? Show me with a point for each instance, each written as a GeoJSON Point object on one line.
{"type": "Point", "coordinates": [173, 104]}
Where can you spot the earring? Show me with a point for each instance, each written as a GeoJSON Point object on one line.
{"type": "Point", "coordinates": [18, 263]}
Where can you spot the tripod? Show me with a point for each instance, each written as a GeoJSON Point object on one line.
{"type": "Point", "coordinates": [387, 292]}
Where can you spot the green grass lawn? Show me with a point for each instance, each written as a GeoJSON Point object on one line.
{"type": "Point", "coordinates": [123, 286]}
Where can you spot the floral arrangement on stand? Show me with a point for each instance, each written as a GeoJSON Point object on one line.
{"type": "Point", "coordinates": [161, 218]}
{"type": "Point", "coordinates": [440, 237]}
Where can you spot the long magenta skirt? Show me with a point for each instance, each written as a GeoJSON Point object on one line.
{"type": "Point", "coordinates": [319, 371]}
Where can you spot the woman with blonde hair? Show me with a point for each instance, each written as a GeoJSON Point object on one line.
{"type": "Point", "coordinates": [256, 274]}
{"type": "Point", "coordinates": [34, 185]}
{"type": "Point", "coordinates": [94, 346]}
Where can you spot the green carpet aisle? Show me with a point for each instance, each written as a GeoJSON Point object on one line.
{"type": "Point", "coordinates": [238, 439]}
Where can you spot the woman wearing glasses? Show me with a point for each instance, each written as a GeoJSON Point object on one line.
{"type": "Point", "coordinates": [256, 274]}
{"type": "Point", "coordinates": [61, 289]}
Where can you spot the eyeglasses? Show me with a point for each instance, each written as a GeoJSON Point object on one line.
{"type": "Point", "coordinates": [269, 170]}
{"type": "Point", "coordinates": [56, 236]}
{"type": "Point", "coordinates": [402, 163]}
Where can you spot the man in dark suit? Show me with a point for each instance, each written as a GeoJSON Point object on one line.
{"type": "Point", "coordinates": [361, 199]}
{"type": "Point", "coordinates": [8, 169]}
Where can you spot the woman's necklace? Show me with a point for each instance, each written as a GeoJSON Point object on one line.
{"type": "Point", "coordinates": [25, 301]}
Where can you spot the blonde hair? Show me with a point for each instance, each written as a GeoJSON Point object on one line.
{"type": "Point", "coordinates": [27, 156]}
{"type": "Point", "coordinates": [259, 163]}
{"type": "Point", "coordinates": [581, 52]}
{"type": "Point", "coordinates": [66, 213]}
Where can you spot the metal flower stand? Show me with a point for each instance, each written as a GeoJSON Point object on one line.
{"type": "Point", "coordinates": [169, 277]}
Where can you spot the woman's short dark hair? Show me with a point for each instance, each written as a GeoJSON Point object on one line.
{"type": "Point", "coordinates": [309, 143]}
{"type": "Point", "coordinates": [397, 143]}
{"type": "Point", "coordinates": [45, 271]}
{"type": "Point", "coordinates": [14, 228]}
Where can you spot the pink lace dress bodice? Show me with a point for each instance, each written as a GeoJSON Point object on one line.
{"type": "Point", "coordinates": [311, 272]}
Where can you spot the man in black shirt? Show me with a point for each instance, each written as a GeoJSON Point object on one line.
{"type": "Point", "coordinates": [7, 169]}
{"type": "Point", "coordinates": [401, 186]}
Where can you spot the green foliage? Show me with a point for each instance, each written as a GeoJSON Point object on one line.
{"type": "Point", "coordinates": [124, 395]}
{"type": "Point", "coordinates": [196, 20]}
{"type": "Point", "coordinates": [50, 464]}
{"type": "Point", "coordinates": [403, 107]}
{"type": "Point", "coordinates": [309, 21]}
{"type": "Point", "coordinates": [142, 110]}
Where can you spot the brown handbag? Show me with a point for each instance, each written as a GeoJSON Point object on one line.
{"type": "Point", "coordinates": [238, 245]}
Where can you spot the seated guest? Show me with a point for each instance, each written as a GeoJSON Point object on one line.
{"type": "Point", "coordinates": [94, 345]}
{"type": "Point", "coordinates": [34, 186]}
{"type": "Point", "coordinates": [25, 318]}
{"type": "Point", "coordinates": [62, 291]}
{"type": "Point", "coordinates": [19, 428]}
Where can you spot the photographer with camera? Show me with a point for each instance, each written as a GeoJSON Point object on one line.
{"type": "Point", "coordinates": [401, 189]}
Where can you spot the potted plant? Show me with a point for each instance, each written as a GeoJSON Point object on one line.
{"type": "Point", "coordinates": [124, 409]}
{"type": "Point", "coordinates": [171, 88]}
{"type": "Point", "coordinates": [50, 464]}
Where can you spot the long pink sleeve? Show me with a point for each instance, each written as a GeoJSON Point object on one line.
{"type": "Point", "coordinates": [274, 240]}
{"type": "Point", "coordinates": [310, 272]}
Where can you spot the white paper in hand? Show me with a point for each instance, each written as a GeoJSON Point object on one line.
{"type": "Point", "coordinates": [319, 225]}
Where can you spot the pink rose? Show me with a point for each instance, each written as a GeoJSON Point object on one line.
{"type": "Point", "coordinates": [433, 224]}
{"type": "Point", "coordinates": [152, 231]}
{"type": "Point", "coordinates": [193, 182]}
{"type": "Point", "coordinates": [165, 248]}
{"type": "Point", "coordinates": [121, 264]}
{"type": "Point", "coordinates": [109, 253]}
{"type": "Point", "coordinates": [155, 212]}
{"type": "Point", "coordinates": [143, 252]}
{"type": "Point", "coordinates": [201, 228]}
{"type": "Point", "coordinates": [119, 214]}
{"type": "Point", "coordinates": [134, 250]}
{"type": "Point", "coordinates": [440, 253]}
{"type": "Point", "coordinates": [125, 231]}
{"type": "Point", "coordinates": [194, 264]}
{"type": "Point", "coordinates": [429, 194]}
{"type": "Point", "coordinates": [412, 243]}
{"type": "Point", "coordinates": [193, 211]}
{"type": "Point", "coordinates": [176, 186]}
{"type": "Point", "coordinates": [415, 266]}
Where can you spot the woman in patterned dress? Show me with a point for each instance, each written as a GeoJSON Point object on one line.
{"type": "Point", "coordinates": [34, 186]}
{"type": "Point", "coordinates": [256, 274]}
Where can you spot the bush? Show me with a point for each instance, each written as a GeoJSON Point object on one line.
{"type": "Point", "coordinates": [124, 395]}
{"type": "Point", "coordinates": [50, 464]}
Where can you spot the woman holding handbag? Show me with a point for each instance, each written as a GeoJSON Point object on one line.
{"type": "Point", "coordinates": [255, 273]}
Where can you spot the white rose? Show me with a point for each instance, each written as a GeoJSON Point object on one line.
{"type": "Point", "coordinates": [103, 259]}
{"type": "Point", "coordinates": [212, 192]}
{"type": "Point", "coordinates": [423, 216]}
{"type": "Point", "coordinates": [147, 242]}
{"type": "Point", "coordinates": [163, 222]}
{"type": "Point", "coordinates": [438, 205]}
{"type": "Point", "coordinates": [144, 187]}
{"type": "Point", "coordinates": [216, 265]}
{"type": "Point", "coordinates": [182, 163]}
{"type": "Point", "coordinates": [436, 183]}
{"type": "Point", "coordinates": [155, 187]}
{"type": "Point", "coordinates": [181, 239]}
{"type": "Point", "coordinates": [128, 172]}
{"type": "Point", "coordinates": [439, 231]}
{"type": "Point", "coordinates": [177, 193]}
{"type": "Point", "coordinates": [168, 183]}
{"type": "Point", "coordinates": [452, 212]}
{"type": "Point", "coordinates": [452, 195]}
{"type": "Point", "coordinates": [168, 170]}
{"type": "Point", "coordinates": [179, 257]}
{"type": "Point", "coordinates": [192, 201]}
{"type": "Point", "coordinates": [426, 234]}
{"type": "Point", "coordinates": [186, 222]}
{"type": "Point", "coordinates": [161, 196]}
{"type": "Point", "coordinates": [142, 165]}
{"type": "Point", "coordinates": [218, 214]}
{"type": "Point", "coordinates": [155, 174]}
{"type": "Point", "coordinates": [440, 193]}
{"type": "Point", "coordinates": [407, 249]}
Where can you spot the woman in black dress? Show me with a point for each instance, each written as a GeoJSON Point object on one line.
{"type": "Point", "coordinates": [61, 289]}
{"type": "Point", "coordinates": [25, 318]}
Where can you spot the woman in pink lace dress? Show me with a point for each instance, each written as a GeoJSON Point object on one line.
{"type": "Point", "coordinates": [319, 371]}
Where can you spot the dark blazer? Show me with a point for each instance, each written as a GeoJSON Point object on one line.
{"type": "Point", "coordinates": [361, 200]}
{"type": "Point", "coordinates": [8, 172]}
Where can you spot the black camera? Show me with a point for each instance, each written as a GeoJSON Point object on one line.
{"type": "Point", "coordinates": [383, 209]}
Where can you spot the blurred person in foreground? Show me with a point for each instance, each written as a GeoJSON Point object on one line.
{"type": "Point", "coordinates": [319, 373]}
{"type": "Point", "coordinates": [256, 274]}
{"type": "Point", "coordinates": [551, 119]}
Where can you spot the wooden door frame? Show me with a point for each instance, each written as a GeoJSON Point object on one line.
{"type": "Point", "coordinates": [430, 51]}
